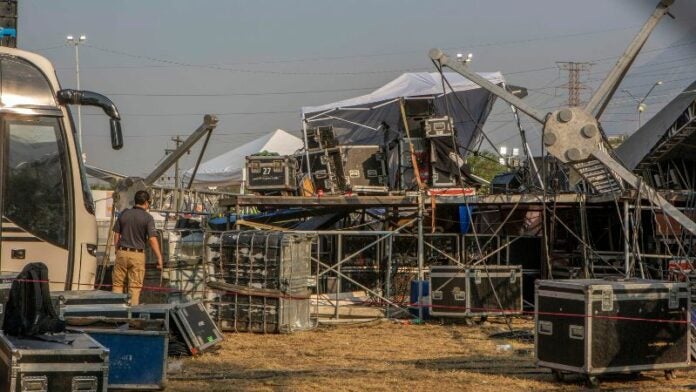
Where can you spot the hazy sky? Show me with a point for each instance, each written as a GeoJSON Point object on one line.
{"type": "Point", "coordinates": [255, 63]}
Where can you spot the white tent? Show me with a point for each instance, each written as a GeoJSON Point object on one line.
{"type": "Point", "coordinates": [227, 169]}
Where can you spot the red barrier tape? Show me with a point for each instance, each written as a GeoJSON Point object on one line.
{"type": "Point", "coordinates": [416, 305]}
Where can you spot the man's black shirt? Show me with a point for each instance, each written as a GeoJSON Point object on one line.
{"type": "Point", "coordinates": [135, 226]}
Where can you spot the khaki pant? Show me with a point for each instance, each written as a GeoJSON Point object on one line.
{"type": "Point", "coordinates": [132, 265]}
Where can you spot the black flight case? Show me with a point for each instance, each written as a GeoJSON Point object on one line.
{"type": "Point", "coordinates": [600, 326]}
{"type": "Point", "coordinates": [60, 362]}
{"type": "Point", "coordinates": [476, 290]}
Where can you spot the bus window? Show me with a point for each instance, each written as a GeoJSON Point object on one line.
{"type": "Point", "coordinates": [23, 85]}
{"type": "Point", "coordinates": [36, 192]}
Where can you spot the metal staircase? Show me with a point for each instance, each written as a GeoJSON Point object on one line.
{"type": "Point", "coordinates": [601, 179]}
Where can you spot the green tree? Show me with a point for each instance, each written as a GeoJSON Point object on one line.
{"type": "Point", "coordinates": [485, 164]}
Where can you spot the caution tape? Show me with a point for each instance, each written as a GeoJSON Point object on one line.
{"type": "Point", "coordinates": [502, 312]}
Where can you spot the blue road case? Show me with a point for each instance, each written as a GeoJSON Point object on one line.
{"type": "Point", "coordinates": [138, 357]}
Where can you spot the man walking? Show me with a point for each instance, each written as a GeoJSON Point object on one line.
{"type": "Point", "coordinates": [134, 228]}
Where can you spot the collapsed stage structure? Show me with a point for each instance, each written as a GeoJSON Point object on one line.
{"type": "Point", "coordinates": [581, 214]}
{"type": "Point", "coordinates": [370, 243]}
{"type": "Point", "coordinates": [580, 211]}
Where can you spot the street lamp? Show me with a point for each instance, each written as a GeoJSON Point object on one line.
{"type": "Point", "coordinates": [509, 158]}
{"type": "Point", "coordinates": [642, 106]}
{"type": "Point", "coordinates": [76, 41]}
{"type": "Point", "coordinates": [465, 60]}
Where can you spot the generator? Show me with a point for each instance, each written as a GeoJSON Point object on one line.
{"type": "Point", "coordinates": [476, 290]}
{"type": "Point", "coordinates": [611, 326]}
{"type": "Point", "coordinates": [271, 173]}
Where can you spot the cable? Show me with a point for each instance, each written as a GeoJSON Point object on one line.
{"type": "Point", "coordinates": [238, 70]}
{"type": "Point", "coordinates": [198, 114]}
{"type": "Point", "coordinates": [354, 56]}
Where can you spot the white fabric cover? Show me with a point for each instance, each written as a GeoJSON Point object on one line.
{"type": "Point", "coordinates": [227, 169]}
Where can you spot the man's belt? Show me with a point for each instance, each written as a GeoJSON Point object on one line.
{"type": "Point", "coordinates": [131, 249]}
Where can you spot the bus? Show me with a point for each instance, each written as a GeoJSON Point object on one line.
{"type": "Point", "coordinates": [46, 205]}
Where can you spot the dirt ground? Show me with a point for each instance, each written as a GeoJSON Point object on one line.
{"type": "Point", "coordinates": [388, 356]}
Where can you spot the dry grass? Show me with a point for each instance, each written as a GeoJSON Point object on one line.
{"type": "Point", "coordinates": [386, 356]}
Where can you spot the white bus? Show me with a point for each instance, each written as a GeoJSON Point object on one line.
{"type": "Point", "coordinates": [46, 204]}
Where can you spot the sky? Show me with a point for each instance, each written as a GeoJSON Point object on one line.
{"type": "Point", "coordinates": [166, 63]}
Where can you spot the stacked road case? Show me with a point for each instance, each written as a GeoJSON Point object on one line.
{"type": "Point", "coordinates": [264, 278]}
{"type": "Point", "coordinates": [91, 303]}
{"type": "Point", "coordinates": [269, 174]}
{"type": "Point", "coordinates": [606, 326]}
{"type": "Point", "coordinates": [357, 169]}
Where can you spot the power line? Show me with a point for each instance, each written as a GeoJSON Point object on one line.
{"type": "Point", "coordinates": [239, 70]}
{"type": "Point", "coordinates": [241, 94]}
{"type": "Point", "coordinates": [370, 55]}
{"type": "Point", "coordinates": [199, 114]}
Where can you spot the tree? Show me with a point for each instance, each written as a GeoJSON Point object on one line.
{"type": "Point", "coordinates": [485, 164]}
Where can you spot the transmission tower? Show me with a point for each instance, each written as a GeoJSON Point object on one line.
{"type": "Point", "coordinates": [574, 85]}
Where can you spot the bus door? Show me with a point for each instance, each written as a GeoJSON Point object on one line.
{"type": "Point", "coordinates": [36, 207]}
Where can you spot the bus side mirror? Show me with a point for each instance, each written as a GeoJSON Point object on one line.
{"type": "Point", "coordinates": [116, 134]}
{"type": "Point", "coordinates": [89, 98]}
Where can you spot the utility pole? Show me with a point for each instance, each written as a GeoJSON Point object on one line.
{"type": "Point", "coordinates": [177, 182]}
{"type": "Point", "coordinates": [574, 85]}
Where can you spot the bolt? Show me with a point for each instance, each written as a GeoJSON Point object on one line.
{"type": "Point", "coordinates": [549, 139]}
{"type": "Point", "coordinates": [589, 131]}
{"type": "Point", "coordinates": [574, 154]}
{"type": "Point", "coordinates": [565, 115]}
